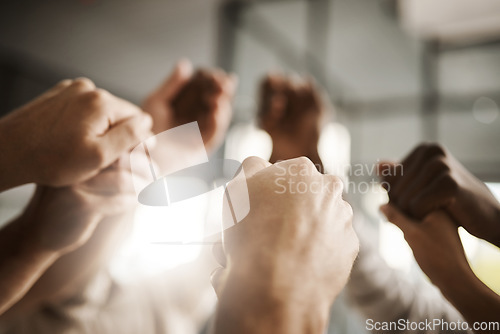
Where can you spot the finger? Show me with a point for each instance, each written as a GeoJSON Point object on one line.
{"type": "Point", "coordinates": [231, 84]}
{"type": "Point", "coordinates": [219, 254]}
{"type": "Point", "coordinates": [388, 172]}
{"type": "Point", "coordinates": [253, 165]}
{"type": "Point", "coordinates": [227, 83]}
{"type": "Point", "coordinates": [118, 109]}
{"type": "Point", "coordinates": [438, 217]}
{"type": "Point", "coordinates": [123, 136]}
{"type": "Point", "coordinates": [180, 75]}
{"type": "Point", "coordinates": [394, 179]}
{"type": "Point", "coordinates": [57, 89]}
{"type": "Point", "coordinates": [271, 96]}
{"type": "Point", "coordinates": [413, 166]}
{"type": "Point", "coordinates": [79, 85]}
{"type": "Point", "coordinates": [429, 172]}
{"type": "Point", "coordinates": [438, 194]}
{"type": "Point", "coordinates": [110, 182]}
{"type": "Point", "coordinates": [393, 215]}
{"type": "Point", "coordinates": [212, 89]}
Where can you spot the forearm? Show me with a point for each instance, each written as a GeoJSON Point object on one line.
{"type": "Point", "coordinates": [249, 307]}
{"type": "Point", "coordinates": [21, 264]}
{"type": "Point", "coordinates": [472, 298]}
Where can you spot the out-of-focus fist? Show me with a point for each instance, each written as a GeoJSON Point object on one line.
{"type": "Point", "coordinates": [297, 240]}
{"type": "Point", "coordinates": [71, 132]}
{"type": "Point", "coordinates": [64, 218]}
{"type": "Point", "coordinates": [291, 111]}
{"type": "Point", "coordinates": [430, 178]}
{"type": "Point", "coordinates": [203, 96]}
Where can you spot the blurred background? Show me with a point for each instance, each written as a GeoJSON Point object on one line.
{"type": "Point", "coordinates": [398, 72]}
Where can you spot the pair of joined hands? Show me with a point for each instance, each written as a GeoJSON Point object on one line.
{"type": "Point", "coordinates": [73, 142]}
{"type": "Point", "coordinates": [430, 195]}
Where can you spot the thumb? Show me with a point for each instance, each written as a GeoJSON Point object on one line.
{"type": "Point", "coordinates": [253, 165]}
{"type": "Point", "coordinates": [387, 171]}
{"type": "Point", "coordinates": [124, 136]}
{"type": "Point", "coordinates": [180, 75]}
{"type": "Point", "coordinates": [393, 215]}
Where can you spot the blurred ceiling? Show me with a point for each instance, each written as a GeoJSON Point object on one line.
{"type": "Point", "coordinates": [452, 21]}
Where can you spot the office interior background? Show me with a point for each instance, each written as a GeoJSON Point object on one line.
{"type": "Point", "coordinates": [398, 72]}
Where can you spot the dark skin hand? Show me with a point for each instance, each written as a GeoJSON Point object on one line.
{"type": "Point", "coordinates": [204, 96]}
{"type": "Point", "coordinates": [433, 179]}
{"type": "Point", "coordinates": [291, 113]}
{"type": "Point", "coordinates": [438, 250]}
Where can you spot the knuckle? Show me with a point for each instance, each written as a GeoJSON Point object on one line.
{"type": "Point", "coordinates": [98, 155]}
{"type": "Point", "coordinates": [131, 131]}
{"type": "Point", "coordinates": [337, 185]}
{"type": "Point", "coordinates": [434, 149]}
{"type": "Point", "coordinates": [420, 148]}
{"type": "Point", "coordinates": [450, 183]}
{"type": "Point", "coordinates": [440, 164]}
{"type": "Point", "coordinates": [349, 210]}
{"type": "Point", "coordinates": [428, 219]}
{"type": "Point", "coordinates": [355, 243]}
{"type": "Point", "coordinates": [305, 162]}
{"type": "Point", "coordinates": [83, 83]}
{"type": "Point", "coordinates": [412, 236]}
{"type": "Point", "coordinates": [95, 97]}
{"type": "Point", "coordinates": [64, 83]}
{"type": "Point", "coordinates": [252, 160]}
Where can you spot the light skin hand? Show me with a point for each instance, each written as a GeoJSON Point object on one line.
{"type": "Point", "coordinates": [285, 262]}
{"type": "Point", "coordinates": [438, 250]}
{"type": "Point", "coordinates": [187, 96]}
{"type": "Point", "coordinates": [433, 179]}
{"type": "Point", "coordinates": [291, 111]}
{"type": "Point", "coordinates": [66, 135]}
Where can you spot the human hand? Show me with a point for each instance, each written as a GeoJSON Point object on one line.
{"type": "Point", "coordinates": [67, 135]}
{"type": "Point", "coordinates": [439, 252]}
{"type": "Point", "coordinates": [292, 112]}
{"type": "Point", "coordinates": [204, 96]}
{"type": "Point", "coordinates": [294, 247]}
{"type": "Point", "coordinates": [433, 179]}
{"type": "Point", "coordinates": [62, 219]}
{"type": "Point", "coordinates": [63, 238]}
{"type": "Point", "coordinates": [435, 243]}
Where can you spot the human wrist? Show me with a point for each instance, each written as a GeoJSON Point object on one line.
{"type": "Point", "coordinates": [461, 288]}
{"type": "Point", "coordinates": [13, 166]}
{"type": "Point", "coordinates": [260, 303]}
{"type": "Point", "coordinates": [467, 293]}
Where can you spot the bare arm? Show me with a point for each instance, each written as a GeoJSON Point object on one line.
{"type": "Point", "coordinates": [437, 248]}
{"type": "Point", "coordinates": [22, 262]}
